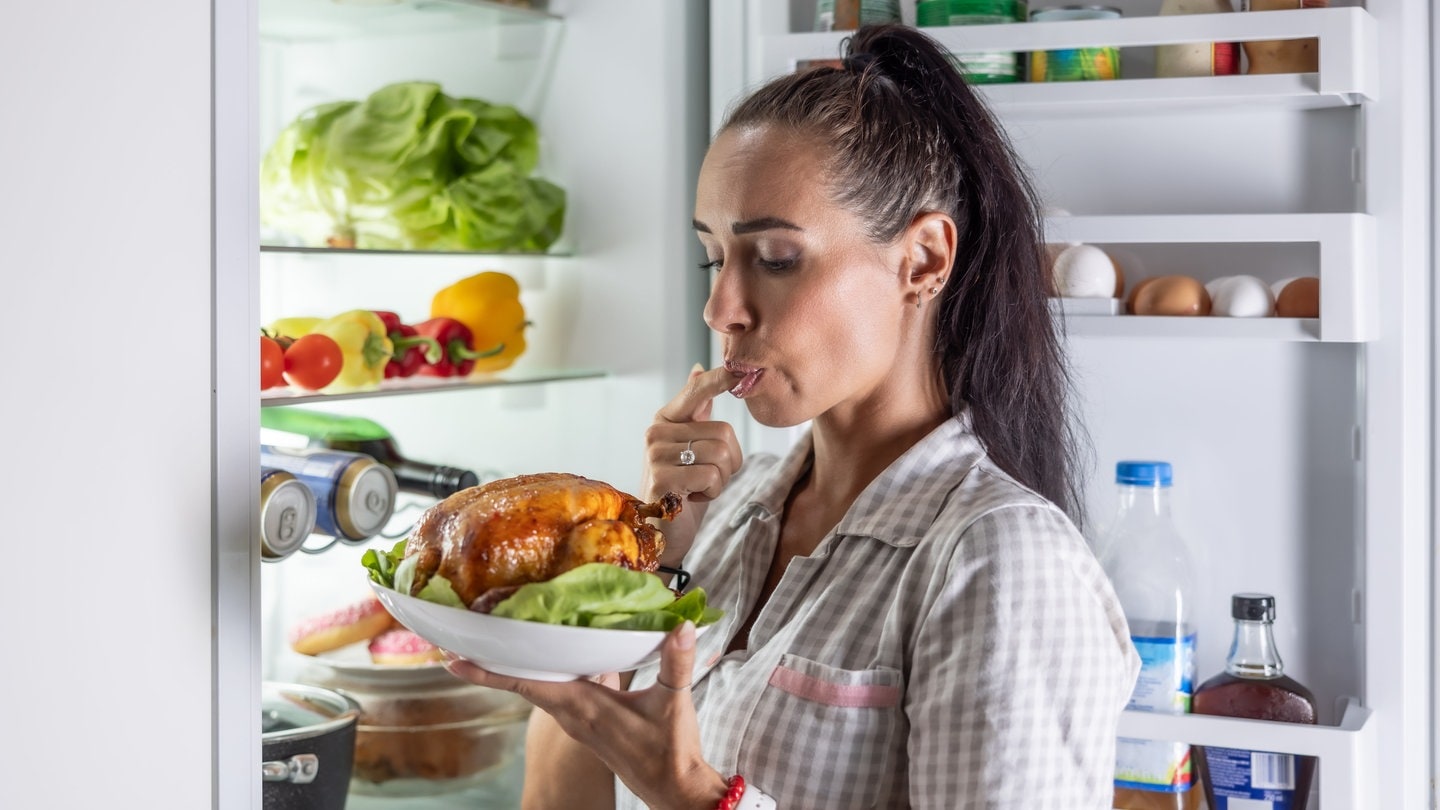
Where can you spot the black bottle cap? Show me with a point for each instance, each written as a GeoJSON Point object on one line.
{"type": "Point", "coordinates": [1253, 607]}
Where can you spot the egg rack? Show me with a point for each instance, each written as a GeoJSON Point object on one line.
{"type": "Point", "coordinates": [1349, 311]}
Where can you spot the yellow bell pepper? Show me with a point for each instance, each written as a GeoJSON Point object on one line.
{"type": "Point", "coordinates": [489, 304]}
{"type": "Point", "coordinates": [365, 346]}
{"type": "Point", "coordinates": [293, 327]}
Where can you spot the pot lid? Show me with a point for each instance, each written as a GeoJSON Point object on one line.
{"type": "Point", "coordinates": [292, 711]}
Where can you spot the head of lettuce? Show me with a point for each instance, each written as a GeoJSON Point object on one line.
{"type": "Point", "coordinates": [592, 595]}
{"type": "Point", "coordinates": [411, 168]}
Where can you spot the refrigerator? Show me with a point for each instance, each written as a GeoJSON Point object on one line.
{"type": "Point", "coordinates": [1302, 448]}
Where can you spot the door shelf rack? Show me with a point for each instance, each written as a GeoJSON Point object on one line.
{"type": "Point", "coordinates": [1347, 76]}
{"type": "Point", "coordinates": [1347, 271]}
{"type": "Point", "coordinates": [1347, 751]}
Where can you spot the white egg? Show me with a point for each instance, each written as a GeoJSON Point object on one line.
{"type": "Point", "coordinates": [1084, 271]}
{"type": "Point", "coordinates": [1213, 287]}
{"type": "Point", "coordinates": [1241, 297]}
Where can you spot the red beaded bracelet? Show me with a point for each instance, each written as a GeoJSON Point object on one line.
{"type": "Point", "coordinates": [736, 789]}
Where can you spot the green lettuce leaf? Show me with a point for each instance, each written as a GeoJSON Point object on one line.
{"type": "Point", "coordinates": [605, 595]}
{"type": "Point", "coordinates": [410, 167]}
{"type": "Point", "coordinates": [383, 564]}
{"type": "Point", "coordinates": [439, 590]}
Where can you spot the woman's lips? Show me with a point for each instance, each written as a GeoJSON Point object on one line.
{"type": "Point", "coordinates": [748, 378]}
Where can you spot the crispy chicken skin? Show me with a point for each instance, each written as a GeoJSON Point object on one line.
{"type": "Point", "coordinates": [533, 527]}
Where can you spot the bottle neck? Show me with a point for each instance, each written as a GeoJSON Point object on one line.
{"type": "Point", "coordinates": [431, 479]}
{"type": "Point", "coordinates": [1145, 501]}
{"type": "Point", "coordinates": [412, 476]}
{"type": "Point", "coordinates": [1253, 653]}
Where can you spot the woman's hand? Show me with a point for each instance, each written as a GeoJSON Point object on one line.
{"type": "Point", "coordinates": [684, 424]}
{"type": "Point", "coordinates": [648, 738]}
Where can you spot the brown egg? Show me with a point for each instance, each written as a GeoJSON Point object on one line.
{"type": "Point", "coordinates": [1135, 294]}
{"type": "Point", "coordinates": [1299, 299]}
{"type": "Point", "coordinates": [1169, 295]}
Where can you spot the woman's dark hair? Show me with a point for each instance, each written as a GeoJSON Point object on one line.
{"type": "Point", "coordinates": [907, 134]}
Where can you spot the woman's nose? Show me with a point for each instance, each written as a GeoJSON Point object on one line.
{"type": "Point", "coordinates": [727, 311]}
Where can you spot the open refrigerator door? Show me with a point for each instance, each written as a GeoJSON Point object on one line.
{"type": "Point", "coordinates": [1300, 441]}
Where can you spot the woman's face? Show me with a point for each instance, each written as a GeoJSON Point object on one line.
{"type": "Point", "coordinates": [813, 316]}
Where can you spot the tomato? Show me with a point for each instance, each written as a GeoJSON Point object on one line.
{"type": "Point", "coordinates": [272, 363]}
{"type": "Point", "coordinates": [313, 361]}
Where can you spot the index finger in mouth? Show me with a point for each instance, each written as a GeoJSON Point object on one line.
{"type": "Point", "coordinates": [698, 391]}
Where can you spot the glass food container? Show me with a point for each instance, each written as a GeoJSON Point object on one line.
{"type": "Point", "coordinates": [422, 731]}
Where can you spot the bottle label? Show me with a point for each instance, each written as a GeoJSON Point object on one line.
{"type": "Point", "coordinates": [1166, 682]}
{"type": "Point", "coordinates": [1251, 780]}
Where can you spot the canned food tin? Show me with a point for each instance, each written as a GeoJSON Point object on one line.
{"type": "Point", "coordinates": [1075, 64]}
{"type": "Point", "coordinates": [354, 494]}
{"type": "Point", "coordinates": [979, 67]}
{"type": "Point", "coordinates": [287, 513]}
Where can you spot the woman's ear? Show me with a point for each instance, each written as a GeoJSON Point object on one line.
{"type": "Point", "coordinates": [929, 253]}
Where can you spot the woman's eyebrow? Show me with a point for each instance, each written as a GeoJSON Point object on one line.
{"type": "Point", "coordinates": [752, 226]}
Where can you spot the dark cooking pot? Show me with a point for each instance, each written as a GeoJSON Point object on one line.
{"type": "Point", "coordinates": [307, 744]}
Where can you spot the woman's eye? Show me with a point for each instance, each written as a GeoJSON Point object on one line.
{"type": "Point", "coordinates": [776, 265]}
{"type": "Point", "coordinates": [711, 265]}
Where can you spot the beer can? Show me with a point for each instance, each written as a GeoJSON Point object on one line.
{"type": "Point", "coordinates": [354, 494]}
{"type": "Point", "coordinates": [1075, 64]}
{"type": "Point", "coordinates": [287, 513]}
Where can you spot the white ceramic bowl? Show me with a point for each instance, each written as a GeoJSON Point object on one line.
{"type": "Point", "coordinates": [542, 652]}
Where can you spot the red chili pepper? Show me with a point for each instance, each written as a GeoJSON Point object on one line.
{"type": "Point", "coordinates": [459, 353]}
{"type": "Point", "coordinates": [412, 352]}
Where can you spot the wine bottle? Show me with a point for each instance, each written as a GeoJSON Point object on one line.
{"type": "Point", "coordinates": [356, 434]}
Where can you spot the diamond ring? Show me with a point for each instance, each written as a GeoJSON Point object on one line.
{"type": "Point", "coordinates": [687, 456]}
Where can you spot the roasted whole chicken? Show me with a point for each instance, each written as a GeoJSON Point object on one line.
{"type": "Point", "coordinates": [489, 540]}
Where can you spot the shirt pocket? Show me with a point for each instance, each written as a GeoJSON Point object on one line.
{"type": "Point", "coordinates": [826, 735]}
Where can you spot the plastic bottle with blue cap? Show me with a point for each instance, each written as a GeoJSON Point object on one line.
{"type": "Point", "coordinates": [1153, 573]}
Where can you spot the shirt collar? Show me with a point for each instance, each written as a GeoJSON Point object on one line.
{"type": "Point", "coordinates": [901, 504]}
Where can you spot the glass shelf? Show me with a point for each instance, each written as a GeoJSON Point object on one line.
{"type": "Point", "coordinates": [561, 253]}
{"type": "Point", "coordinates": [322, 20]}
{"type": "Point", "coordinates": [405, 386]}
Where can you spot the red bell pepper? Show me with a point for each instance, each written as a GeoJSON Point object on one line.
{"type": "Point", "coordinates": [412, 351]}
{"type": "Point", "coordinates": [459, 353]}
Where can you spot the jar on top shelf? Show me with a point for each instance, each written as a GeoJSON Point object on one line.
{"type": "Point", "coordinates": [1075, 64]}
{"type": "Point", "coordinates": [979, 67]}
{"type": "Point", "coordinates": [1283, 55]}
{"type": "Point", "coordinates": [1196, 58]}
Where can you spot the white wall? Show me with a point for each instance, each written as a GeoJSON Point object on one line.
{"type": "Point", "coordinates": [105, 277]}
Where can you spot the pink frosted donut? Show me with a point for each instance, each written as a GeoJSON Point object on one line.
{"type": "Point", "coordinates": [402, 647]}
{"type": "Point", "coordinates": [363, 620]}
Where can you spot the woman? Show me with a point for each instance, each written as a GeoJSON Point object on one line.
{"type": "Point", "coordinates": [911, 618]}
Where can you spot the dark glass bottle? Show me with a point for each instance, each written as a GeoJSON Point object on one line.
{"type": "Point", "coordinates": [1254, 685]}
{"type": "Point", "coordinates": [359, 435]}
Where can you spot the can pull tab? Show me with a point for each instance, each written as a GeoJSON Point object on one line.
{"type": "Point", "coordinates": [300, 769]}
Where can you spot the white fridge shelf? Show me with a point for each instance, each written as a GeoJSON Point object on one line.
{"type": "Point", "coordinates": [1348, 767]}
{"type": "Point", "coordinates": [1347, 271]}
{"type": "Point", "coordinates": [1348, 62]}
